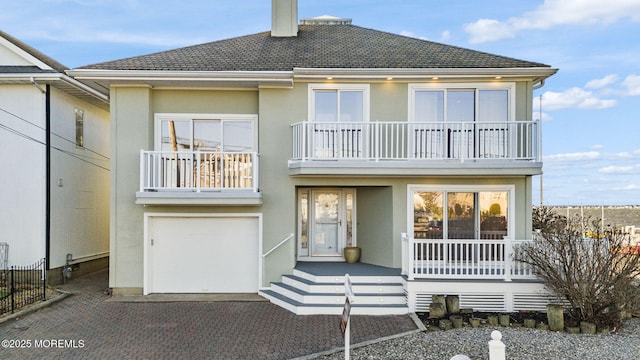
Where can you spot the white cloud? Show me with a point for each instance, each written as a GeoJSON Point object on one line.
{"type": "Point", "coordinates": [411, 34]}
{"type": "Point", "coordinates": [616, 169]}
{"type": "Point", "coordinates": [574, 97]}
{"type": "Point", "coordinates": [628, 187]}
{"type": "Point", "coordinates": [589, 155]}
{"type": "Point", "coordinates": [597, 147]}
{"type": "Point", "coordinates": [486, 30]}
{"type": "Point", "coordinates": [554, 13]}
{"type": "Point", "coordinates": [445, 36]}
{"type": "Point", "coordinates": [600, 83]}
{"type": "Point", "coordinates": [536, 115]}
{"type": "Point", "coordinates": [632, 83]}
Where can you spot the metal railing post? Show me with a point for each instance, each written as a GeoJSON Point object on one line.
{"type": "Point", "coordinates": [13, 289]}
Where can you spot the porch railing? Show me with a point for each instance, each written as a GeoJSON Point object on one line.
{"type": "Point", "coordinates": [400, 140]}
{"type": "Point", "coordinates": [198, 171]}
{"type": "Point", "coordinates": [455, 259]}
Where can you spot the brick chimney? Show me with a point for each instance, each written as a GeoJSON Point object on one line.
{"type": "Point", "coordinates": [284, 18]}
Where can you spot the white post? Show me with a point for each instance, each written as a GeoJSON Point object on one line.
{"type": "Point", "coordinates": [508, 256]}
{"type": "Point", "coordinates": [346, 314]}
{"type": "Point", "coordinates": [347, 340]}
{"type": "Point", "coordinates": [496, 347]}
{"type": "Point", "coordinates": [142, 174]}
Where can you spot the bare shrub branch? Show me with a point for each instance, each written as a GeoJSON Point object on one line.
{"type": "Point", "coordinates": [595, 271]}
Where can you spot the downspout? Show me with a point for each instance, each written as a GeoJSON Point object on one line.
{"type": "Point", "coordinates": [33, 81]}
{"type": "Point", "coordinates": [47, 235]}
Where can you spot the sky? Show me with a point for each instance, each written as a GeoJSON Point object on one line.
{"type": "Point", "coordinates": [590, 109]}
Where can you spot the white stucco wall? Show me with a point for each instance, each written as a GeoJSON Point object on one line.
{"type": "Point", "coordinates": [22, 169]}
{"type": "Point", "coordinates": [79, 181]}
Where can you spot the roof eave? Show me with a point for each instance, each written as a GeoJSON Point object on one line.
{"type": "Point", "coordinates": [167, 78]}
{"type": "Point", "coordinates": [61, 81]}
{"type": "Point", "coordinates": [532, 73]}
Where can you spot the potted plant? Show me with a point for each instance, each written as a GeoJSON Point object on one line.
{"type": "Point", "coordinates": [352, 254]}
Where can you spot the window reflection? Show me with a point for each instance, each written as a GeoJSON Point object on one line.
{"type": "Point", "coordinates": [427, 215]}
{"type": "Point", "coordinates": [469, 215]}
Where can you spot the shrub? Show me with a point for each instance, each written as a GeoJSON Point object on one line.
{"type": "Point", "coordinates": [592, 269]}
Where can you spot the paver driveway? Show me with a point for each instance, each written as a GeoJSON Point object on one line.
{"type": "Point", "coordinates": [88, 326]}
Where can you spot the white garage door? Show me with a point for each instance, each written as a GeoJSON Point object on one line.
{"type": "Point", "coordinates": [202, 255]}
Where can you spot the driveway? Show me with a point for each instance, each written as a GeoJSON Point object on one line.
{"type": "Point", "coordinates": [90, 325]}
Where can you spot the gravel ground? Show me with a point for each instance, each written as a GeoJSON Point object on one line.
{"type": "Point", "coordinates": [520, 343]}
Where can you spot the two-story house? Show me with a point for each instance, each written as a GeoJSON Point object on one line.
{"type": "Point", "coordinates": [54, 146]}
{"type": "Point", "coordinates": [242, 162]}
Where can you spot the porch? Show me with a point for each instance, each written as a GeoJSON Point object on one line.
{"type": "Point", "coordinates": [411, 146]}
{"type": "Point", "coordinates": [318, 287]}
{"type": "Point", "coordinates": [198, 178]}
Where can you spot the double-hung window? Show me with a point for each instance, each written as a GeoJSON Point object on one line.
{"type": "Point", "coordinates": [461, 120]}
{"type": "Point", "coordinates": [338, 117]}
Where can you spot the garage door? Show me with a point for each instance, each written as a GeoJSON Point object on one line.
{"type": "Point", "coordinates": [202, 255]}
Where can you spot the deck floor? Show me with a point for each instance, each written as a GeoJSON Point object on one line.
{"type": "Point", "coordinates": [341, 268]}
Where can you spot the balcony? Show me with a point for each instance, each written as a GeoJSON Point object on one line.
{"type": "Point", "coordinates": [410, 148]}
{"type": "Point", "coordinates": [198, 178]}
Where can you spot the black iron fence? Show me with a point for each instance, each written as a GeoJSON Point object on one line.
{"type": "Point", "coordinates": [21, 286]}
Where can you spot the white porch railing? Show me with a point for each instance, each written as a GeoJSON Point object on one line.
{"type": "Point", "coordinates": [198, 171]}
{"type": "Point", "coordinates": [462, 259]}
{"type": "Point", "coordinates": [399, 140]}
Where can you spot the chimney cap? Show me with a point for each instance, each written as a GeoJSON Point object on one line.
{"type": "Point", "coordinates": [325, 20]}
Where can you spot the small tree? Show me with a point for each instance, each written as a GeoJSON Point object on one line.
{"type": "Point", "coordinates": [595, 271]}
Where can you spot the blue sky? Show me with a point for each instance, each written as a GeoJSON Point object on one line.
{"type": "Point", "coordinates": [590, 108]}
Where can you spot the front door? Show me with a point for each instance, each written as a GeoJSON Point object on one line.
{"type": "Point", "coordinates": [325, 223]}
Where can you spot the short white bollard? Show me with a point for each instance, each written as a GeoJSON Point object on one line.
{"type": "Point", "coordinates": [496, 347]}
{"type": "Point", "coordinates": [460, 357]}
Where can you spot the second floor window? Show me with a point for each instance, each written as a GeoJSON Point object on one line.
{"type": "Point", "coordinates": [230, 133]}
{"type": "Point", "coordinates": [338, 103]}
{"type": "Point", "coordinates": [477, 102]}
{"type": "Point", "coordinates": [79, 127]}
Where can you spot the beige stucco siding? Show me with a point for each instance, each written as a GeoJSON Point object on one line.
{"type": "Point", "coordinates": [382, 205]}
{"type": "Point", "coordinates": [205, 101]}
{"type": "Point", "coordinates": [279, 108]}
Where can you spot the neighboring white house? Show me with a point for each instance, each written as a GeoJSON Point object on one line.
{"type": "Point", "coordinates": [54, 177]}
{"type": "Point", "coordinates": [249, 164]}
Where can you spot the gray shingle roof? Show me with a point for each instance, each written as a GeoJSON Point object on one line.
{"type": "Point", "coordinates": [316, 46]}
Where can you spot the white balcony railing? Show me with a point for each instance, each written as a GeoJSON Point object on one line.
{"type": "Point", "coordinates": [513, 140]}
{"type": "Point", "coordinates": [462, 259]}
{"type": "Point", "coordinates": [198, 171]}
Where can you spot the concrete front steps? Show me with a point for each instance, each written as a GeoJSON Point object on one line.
{"type": "Point", "coordinates": [305, 293]}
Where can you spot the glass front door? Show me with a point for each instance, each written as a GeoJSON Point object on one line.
{"type": "Point", "coordinates": [325, 222]}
